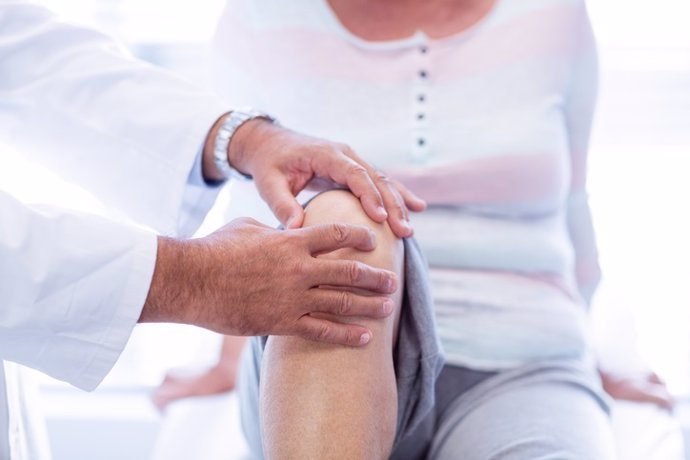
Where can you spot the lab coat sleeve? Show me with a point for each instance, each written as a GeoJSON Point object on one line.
{"type": "Point", "coordinates": [72, 287]}
{"type": "Point", "coordinates": [74, 101]}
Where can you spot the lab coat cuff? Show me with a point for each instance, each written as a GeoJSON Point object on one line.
{"type": "Point", "coordinates": [126, 312]}
{"type": "Point", "coordinates": [198, 195]}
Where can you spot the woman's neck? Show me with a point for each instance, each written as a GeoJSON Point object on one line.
{"type": "Point", "coordinates": [381, 20]}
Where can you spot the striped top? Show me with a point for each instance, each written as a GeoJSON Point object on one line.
{"type": "Point", "coordinates": [490, 125]}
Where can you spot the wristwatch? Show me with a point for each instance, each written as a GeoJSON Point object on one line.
{"type": "Point", "coordinates": [231, 122]}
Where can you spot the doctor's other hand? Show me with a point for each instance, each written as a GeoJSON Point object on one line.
{"type": "Point", "coordinates": [250, 279]}
{"type": "Point", "coordinates": [283, 163]}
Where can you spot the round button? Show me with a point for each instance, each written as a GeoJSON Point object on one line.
{"type": "Point", "coordinates": [420, 116]}
{"type": "Point", "coordinates": [421, 142]}
{"type": "Point", "coordinates": [423, 49]}
{"type": "Point", "coordinates": [423, 73]}
{"type": "Point", "coordinates": [421, 97]}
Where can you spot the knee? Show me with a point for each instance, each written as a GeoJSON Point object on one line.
{"type": "Point", "coordinates": [341, 206]}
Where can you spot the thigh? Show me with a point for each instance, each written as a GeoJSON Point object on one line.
{"type": "Point", "coordinates": [548, 420]}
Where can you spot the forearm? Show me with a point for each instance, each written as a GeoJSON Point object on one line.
{"type": "Point", "coordinates": [578, 111]}
{"type": "Point", "coordinates": [582, 235]}
{"type": "Point", "coordinates": [230, 353]}
{"type": "Point", "coordinates": [177, 284]}
{"type": "Point", "coordinates": [222, 375]}
{"type": "Point", "coordinates": [166, 292]}
{"type": "Point", "coordinates": [179, 292]}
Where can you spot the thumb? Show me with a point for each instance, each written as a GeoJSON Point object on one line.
{"type": "Point", "coordinates": [277, 194]}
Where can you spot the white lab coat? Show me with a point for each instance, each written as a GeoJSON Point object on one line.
{"type": "Point", "coordinates": [71, 285]}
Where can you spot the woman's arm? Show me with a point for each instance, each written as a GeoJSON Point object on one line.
{"type": "Point", "coordinates": [580, 102]}
{"type": "Point", "coordinates": [218, 379]}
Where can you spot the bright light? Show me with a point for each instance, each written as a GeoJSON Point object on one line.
{"type": "Point", "coordinates": [641, 23]}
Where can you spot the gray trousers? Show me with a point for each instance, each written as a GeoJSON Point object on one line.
{"type": "Point", "coordinates": [551, 410]}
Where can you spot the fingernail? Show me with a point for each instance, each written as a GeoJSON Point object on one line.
{"type": "Point", "coordinates": [364, 338]}
{"type": "Point", "coordinates": [382, 211]}
{"type": "Point", "coordinates": [387, 307]}
{"type": "Point", "coordinates": [290, 221]}
{"type": "Point", "coordinates": [390, 285]}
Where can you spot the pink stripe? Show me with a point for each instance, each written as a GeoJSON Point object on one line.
{"type": "Point", "coordinates": [498, 180]}
{"type": "Point", "coordinates": [550, 32]}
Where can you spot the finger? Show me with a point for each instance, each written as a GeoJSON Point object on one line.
{"type": "Point", "coordinates": [654, 378]}
{"type": "Point", "coordinates": [398, 216]}
{"type": "Point", "coordinates": [355, 275]}
{"type": "Point", "coordinates": [666, 402]}
{"type": "Point", "coordinates": [159, 403]}
{"type": "Point", "coordinates": [653, 396]}
{"type": "Point", "coordinates": [363, 187]}
{"type": "Point", "coordinates": [660, 396]}
{"type": "Point", "coordinates": [345, 168]}
{"type": "Point", "coordinates": [322, 330]}
{"type": "Point", "coordinates": [344, 303]}
{"type": "Point", "coordinates": [326, 238]}
{"type": "Point", "coordinates": [412, 201]}
{"type": "Point", "coordinates": [276, 192]}
{"type": "Point", "coordinates": [394, 202]}
{"type": "Point", "coordinates": [160, 399]}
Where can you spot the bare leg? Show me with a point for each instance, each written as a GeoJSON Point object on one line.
{"type": "Point", "coordinates": [324, 401]}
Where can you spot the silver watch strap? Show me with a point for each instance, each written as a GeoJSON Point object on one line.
{"type": "Point", "coordinates": [227, 129]}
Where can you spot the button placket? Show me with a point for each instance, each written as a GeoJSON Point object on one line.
{"type": "Point", "coordinates": [420, 116]}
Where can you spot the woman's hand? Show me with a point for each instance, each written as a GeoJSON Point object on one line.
{"type": "Point", "coordinates": [176, 386]}
{"type": "Point", "coordinates": [647, 388]}
{"type": "Point", "coordinates": [216, 380]}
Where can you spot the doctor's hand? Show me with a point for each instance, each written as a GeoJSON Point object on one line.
{"type": "Point", "coordinates": [283, 163]}
{"type": "Point", "coordinates": [250, 279]}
